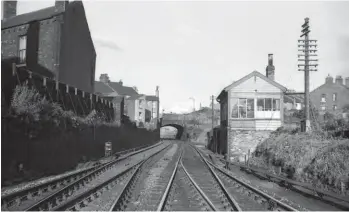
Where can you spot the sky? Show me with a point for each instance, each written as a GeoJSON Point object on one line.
{"type": "Point", "coordinates": [195, 49]}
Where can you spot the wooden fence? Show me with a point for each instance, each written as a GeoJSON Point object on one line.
{"type": "Point", "coordinates": [70, 98]}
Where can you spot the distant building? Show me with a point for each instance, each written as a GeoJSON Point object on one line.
{"type": "Point", "coordinates": [115, 92]}
{"type": "Point", "coordinates": [331, 96]}
{"type": "Point", "coordinates": [136, 107]}
{"type": "Point", "coordinates": [54, 42]}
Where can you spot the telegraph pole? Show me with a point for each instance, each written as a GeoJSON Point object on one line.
{"type": "Point", "coordinates": [213, 135]}
{"type": "Point", "coordinates": [212, 98]}
{"type": "Point", "coordinates": [306, 49]}
{"type": "Point", "coordinates": [192, 98]}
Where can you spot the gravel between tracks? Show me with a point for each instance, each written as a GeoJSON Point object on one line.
{"type": "Point", "coordinates": [155, 182]}
{"type": "Point", "coordinates": [184, 196]}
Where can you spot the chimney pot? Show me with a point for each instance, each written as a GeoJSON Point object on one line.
{"type": "Point", "coordinates": [9, 9]}
{"type": "Point", "coordinates": [347, 82]}
{"type": "Point", "coordinates": [121, 83]}
{"type": "Point", "coordinates": [339, 80]}
{"type": "Point", "coordinates": [329, 79]}
{"type": "Point", "coordinates": [104, 78]}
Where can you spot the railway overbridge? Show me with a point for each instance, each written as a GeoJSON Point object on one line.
{"type": "Point", "coordinates": [177, 121]}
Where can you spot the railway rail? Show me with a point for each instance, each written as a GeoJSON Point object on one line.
{"type": "Point", "coordinates": [102, 195]}
{"type": "Point", "coordinates": [29, 198]}
{"type": "Point", "coordinates": [246, 196]}
{"type": "Point", "coordinates": [183, 187]}
{"type": "Point", "coordinates": [305, 189]}
{"type": "Point", "coordinates": [208, 182]}
{"type": "Point", "coordinates": [146, 188]}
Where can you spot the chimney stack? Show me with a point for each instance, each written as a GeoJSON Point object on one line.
{"type": "Point", "coordinates": [329, 79]}
{"type": "Point", "coordinates": [270, 70]}
{"type": "Point", "coordinates": [104, 78]}
{"type": "Point", "coordinates": [61, 6]}
{"type": "Point", "coordinates": [347, 82]}
{"type": "Point", "coordinates": [121, 83]}
{"type": "Point", "coordinates": [9, 9]}
{"type": "Point", "coordinates": [339, 80]}
{"type": "Point", "coordinates": [157, 91]}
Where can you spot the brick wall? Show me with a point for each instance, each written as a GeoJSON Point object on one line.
{"type": "Point", "coordinates": [329, 89]}
{"type": "Point", "coordinates": [45, 53]}
{"type": "Point", "coordinates": [78, 56]}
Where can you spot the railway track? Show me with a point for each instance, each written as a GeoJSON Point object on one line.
{"type": "Point", "coordinates": [101, 196]}
{"type": "Point", "coordinates": [184, 194]}
{"type": "Point", "coordinates": [209, 184]}
{"type": "Point", "coordinates": [248, 197]}
{"type": "Point", "coordinates": [48, 195]}
{"type": "Point", "coordinates": [145, 189]}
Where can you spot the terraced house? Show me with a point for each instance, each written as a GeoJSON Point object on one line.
{"type": "Point", "coordinates": [332, 96]}
{"type": "Point", "coordinates": [54, 42]}
{"type": "Point", "coordinates": [115, 92]}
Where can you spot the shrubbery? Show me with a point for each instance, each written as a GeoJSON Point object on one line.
{"type": "Point", "coordinates": [311, 158]}
{"type": "Point", "coordinates": [30, 108]}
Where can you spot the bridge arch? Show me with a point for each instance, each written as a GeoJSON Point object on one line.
{"type": "Point", "coordinates": [180, 129]}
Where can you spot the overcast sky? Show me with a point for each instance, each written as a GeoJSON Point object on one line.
{"type": "Point", "coordinates": [195, 49]}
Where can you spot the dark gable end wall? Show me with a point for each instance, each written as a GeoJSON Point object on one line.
{"type": "Point", "coordinates": [78, 56]}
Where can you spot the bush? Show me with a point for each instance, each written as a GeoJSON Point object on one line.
{"type": "Point", "coordinates": [306, 157]}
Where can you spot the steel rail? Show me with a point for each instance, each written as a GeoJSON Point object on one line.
{"type": "Point", "coordinates": [231, 199]}
{"type": "Point", "coordinates": [10, 199]}
{"type": "Point", "coordinates": [256, 190]}
{"type": "Point", "coordinates": [202, 193]}
{"type": "Point", "coordinates": [44, 203]}
{"type": "Point", "coordinates": [121, 195]}
{"type": "Point", "coordinates": [85, 196]}
{"type": "Point", "coordinates": [169, 185]}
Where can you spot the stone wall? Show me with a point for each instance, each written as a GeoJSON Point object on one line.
{"type": "Point", "coordinates": [242, 141]}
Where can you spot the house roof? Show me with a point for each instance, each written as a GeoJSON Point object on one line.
{"type": "Point", "coordinates": [258, 74]}
{"type": "Point", "coordinates": [113, 89]}
{"type": "Point", "coordinates": [26, 18]}
{"type": "Point", "coordinates": [254, 73]}
{"type": "Point", "coordinates": [123, 90]}
{"type": "Point", "coordinates": [102, 88]}
{"type": "Point", "coordinates": [332, 85]}
{"type": "Point", "coordinates": [134, 97]}
{"type": "Point", "coordinates": [151, 98]}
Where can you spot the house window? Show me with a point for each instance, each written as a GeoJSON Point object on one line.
{"type": "Point", "coordinates": [334, 107]}
{"type": "Point", "coordinates": [242, 108]}
{"type": "Point", "coordinates": [22, 48]}
{"type": "Point", "coordinates": [323, 98]}
{"type": "Point", "coordinates": [334, 97]}
{"type": "Point", "coordinates": [268, 104]}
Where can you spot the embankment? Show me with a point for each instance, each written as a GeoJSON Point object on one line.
{"type": "Point", "coordinates": [310, 158]}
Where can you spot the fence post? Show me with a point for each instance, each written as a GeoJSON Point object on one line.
{"type": "Point", "coordinates": [248, 158]}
